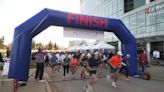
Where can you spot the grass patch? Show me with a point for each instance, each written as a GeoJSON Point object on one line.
{"type": "Point", "coordinates": [32, 65]}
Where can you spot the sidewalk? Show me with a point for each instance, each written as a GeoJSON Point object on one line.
{"type": "Point", "coordinates": [35, 86]}
{"type": "Point", "coordinates": [156, 72]}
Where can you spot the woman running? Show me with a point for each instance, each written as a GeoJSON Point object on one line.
{"type": "Point", "coordinates": [74, 66]}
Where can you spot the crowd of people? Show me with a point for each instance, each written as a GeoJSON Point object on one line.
{"type": "Point", "coordinates": [90, 63]}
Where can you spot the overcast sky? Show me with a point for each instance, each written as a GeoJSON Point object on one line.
{"type": "Point", "coordinates": [14, 12]}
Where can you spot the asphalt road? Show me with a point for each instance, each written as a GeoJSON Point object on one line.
{"type": "Point", "coordinates": [104, 84]}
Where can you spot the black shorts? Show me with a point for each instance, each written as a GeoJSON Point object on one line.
{"type": "Point", "coordinates": [59, 63]}
{"type": "Point", "coordinates": [92, 71]}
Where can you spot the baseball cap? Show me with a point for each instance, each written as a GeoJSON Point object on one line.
{"type": "Point", "coordinates": [96, 53]}
{"type": "Point", "coordinates": [119, 53]}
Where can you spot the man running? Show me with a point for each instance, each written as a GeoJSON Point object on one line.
{"type": "Point", "coordinates": [115, 65]}
{"type": "Point", "coordinates": [93, 63]}
{"type": "Point", "coordinates": [66, 63]}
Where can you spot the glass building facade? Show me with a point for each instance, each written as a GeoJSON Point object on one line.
{"type": "Point", "coordinates": [145, 20]}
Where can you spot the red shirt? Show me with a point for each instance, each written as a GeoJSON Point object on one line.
{"type": "Point", "coordinates": [143, 57]}
{"type": "Point", "coordinates": [115, 61]}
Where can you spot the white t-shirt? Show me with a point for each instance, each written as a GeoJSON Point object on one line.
{"type": "Point", "coordinates": [156, 54]}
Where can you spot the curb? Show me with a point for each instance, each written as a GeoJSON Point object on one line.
{"type": "Point", "coordinates": [48, 88]}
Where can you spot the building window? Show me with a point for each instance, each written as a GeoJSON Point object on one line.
{"type": "Point", "coordinates": [120, 4]}
{"type": "Point", "coordinates": [152, 0]}
{"type": "Point", "coordinates": [134, 31]}
{"type": "Point", "coordinates": [150, 19]}
{"type": "Point", "coordinates": [160, 18]}
{"type": "Point", "coordinates": [160, 27]}
{"type": "Point", "coordinates": [109, 5]}
{"type": "Point", "coordinates": [128, 5]}
{"type": "Point", "coordinates": [141, 30]}
{"type": "Point", "coordinates": [150, 28]}
{"type": "Point", "coordinates": [141, 18]}
{"type": "Point", "coordinates": [133, 21]}
{"type": "Point", "coordinates": [138, 3]}
{"type": "Point", "coordinates": [126, 21]}
{"type": "Point", "coordinates": [132, 4]}
{"type": "Point", "coordinates": [114, 6]}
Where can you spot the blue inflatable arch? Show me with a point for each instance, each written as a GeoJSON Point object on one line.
{"type": "Point", "coordinates": [21, 48]}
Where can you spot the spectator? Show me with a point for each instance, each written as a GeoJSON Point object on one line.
{"type": "Point", "coordinates": [1, 59]}
{"type": "Point", "coordinates": [156, 55]}
{"type": "Point", "coordinates": [40, 64]}
{"type": "Point", "coordinates": [142, 60]}
{"type": "Point", "coordinates": [8, 53]}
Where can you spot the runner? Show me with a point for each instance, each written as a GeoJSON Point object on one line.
{"type": "Point", "coordinates": [92, 66]}
{"type": "Point", "coordinates": [59, 61]}
{"type": "Point", "coordinates": [124, 67]}
{"type": "Point", "coordinates": [115, 64]}
{"type": "Point", "coordinates": [66, 62]}
{"type": "Point", "coordinates": [83, 62]}
{"type": "Point", "coordinates": [54, 63]}
{"type": "Point", "coordinates": [74, 66]}
{"type": "Point", "coordinates": [101, 64]}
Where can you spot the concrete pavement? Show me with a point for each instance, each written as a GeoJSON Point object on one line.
{"type": "Point", "coordinates": [103, 85]}
{"type": "Point", "coordinates": [35, 86]}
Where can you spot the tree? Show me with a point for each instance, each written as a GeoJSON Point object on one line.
{"type": "Point", "coordinates": [50, 46]}
{"type": "Point", "coordinates": [56, 46]}
{"type": "Point", "coordinates": [33, 44]}
{"type": "Point", "coordinates": [1, 43]}
{"type": "Point", "coordinates": [39, 45]}
{"type": "Point", "coordinates": [83, 42]}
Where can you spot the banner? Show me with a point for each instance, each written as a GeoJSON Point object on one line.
{"type": "Point", "coordinates": [83, 33]}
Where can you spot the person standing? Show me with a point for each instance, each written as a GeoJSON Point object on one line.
{"type": "Point", "coordinates": [1, 59]}
{"type": "Point", "coordinates": [40, 55]}
{"type": "Point", "coordinates": [143, 60]}
{"type": "Point", "coordinates": [156, 56]}
{"type": "Point", "coordinates": [8, 53]}
{"type": "Point", "coordinates": [115, 65]}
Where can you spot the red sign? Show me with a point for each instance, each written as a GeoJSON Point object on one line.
{"type": "Point", "coordinates": [88, 21]}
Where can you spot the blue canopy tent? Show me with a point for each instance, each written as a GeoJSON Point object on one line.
{"type": "Point", "coordinates": [21, 47]}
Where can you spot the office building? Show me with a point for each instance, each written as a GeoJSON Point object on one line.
{"type": "Point", "coordinates": [143, 18]}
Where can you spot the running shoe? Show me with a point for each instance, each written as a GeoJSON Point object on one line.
{"type": "Point", "coordinates": [41, 80]}
{"type": "Point", "coordinates": [114, 85]}
{"type": "Point", "coordinates": [88, 88]}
